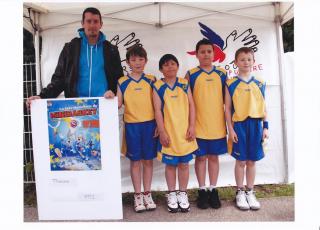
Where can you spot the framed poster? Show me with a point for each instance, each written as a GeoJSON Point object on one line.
{"type": "Point", "coordinates": [77, 158]}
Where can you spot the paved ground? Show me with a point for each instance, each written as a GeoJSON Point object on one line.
{"type": "Point", "coordinates": [272, 209]}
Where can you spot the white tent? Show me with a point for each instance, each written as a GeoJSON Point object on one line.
{"type": "Point", "coordinates": [165, 27]}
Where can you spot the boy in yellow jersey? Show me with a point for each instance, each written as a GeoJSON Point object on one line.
{"type": "Point", "coordinates": [175, 116]}
{"type": "Point", "coordinates": [207, 83]}
{"type": "Point", "coordinates": [135, 92]}
{"type": "Point", "coordinates": [247, 125]}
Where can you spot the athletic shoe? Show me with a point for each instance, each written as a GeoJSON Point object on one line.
{"type": "Point", "coordinates": [148, 201]}
{"type": "Point", "coordinates": [202, 200]}
{"type": "Point", "coordinates": [252, 200]}
{"type": "Point", "coordinates": [214, 200]}
{"type": "Point", "coordinates": [172, 202]}
{"type": "Point", "coordinates": [241, 200]}
{"type": "Point", "coordinates": [183, 201]}
{"type": "Point", "coordinates": [138, 203]}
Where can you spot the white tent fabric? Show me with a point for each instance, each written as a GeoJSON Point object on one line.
{"type": "Point", "coordinates": [174, 28]}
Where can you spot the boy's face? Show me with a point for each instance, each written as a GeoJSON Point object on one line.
{"type": "Point", "coordinates": [137, 63]}
{"type": "Point", "coordinates": [244, 62]}
{"type": "Point", "coordinates": [169, 69]}
{"type": "Point", "coordinates": [205, 55]}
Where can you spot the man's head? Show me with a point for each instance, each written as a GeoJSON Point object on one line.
{"type": "Point", "coordinates": [91, 22]}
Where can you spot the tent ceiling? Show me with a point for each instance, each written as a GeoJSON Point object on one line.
{"type": "Point", "coordinates": [156, 14]}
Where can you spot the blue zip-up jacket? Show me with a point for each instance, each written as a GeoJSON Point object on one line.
{"type": "Point", "coordinates": [92, 77]}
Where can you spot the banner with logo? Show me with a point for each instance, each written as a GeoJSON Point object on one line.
{"type": "Point", "coordinates": [76, 156]}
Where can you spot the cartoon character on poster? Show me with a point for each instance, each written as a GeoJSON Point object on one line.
{"type": "Point", "coordinates": [74, 134]}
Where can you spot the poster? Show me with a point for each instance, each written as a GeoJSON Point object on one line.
{"type": "Point", "coordinates": [77, 158]}
{"type": "Point", "coordinates": [74, 135]}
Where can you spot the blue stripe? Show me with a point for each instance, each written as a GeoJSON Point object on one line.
{"type": "Point", "coordinates": [262, 88]}
{"type": "Point", "coordinates": [149, 81]}
{"type": "Point", "coordinates": [193, 77]}
{"type": "Point", "coordinates": [161, 92]}
{"type": "Point", "coordinates": [233, 86]}
{"type": "Point", "coordinates": [184, 87]}
{"type": "Point", "coordinates": [124, 85]}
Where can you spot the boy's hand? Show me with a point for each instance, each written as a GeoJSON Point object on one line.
{"type": "Point", "coordinates": [164, 139]}
{"type": "Point", "coordinates": [156, 133]}
{"type": "Point", "coordinates": [30, 99]}
{"type": "Point", "coordinates": [233, 136]}
{"type": "Point", "coordinates": [265, 134]}
{"type": "Point", "coordinates": [109, 94]}
{"type": "Point", "coordinates": [191, 134]}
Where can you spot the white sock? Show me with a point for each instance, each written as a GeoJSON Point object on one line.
{"type": "Point", "coordinates": [203, 187]}
{"type": "Point", "coordinates": [212, 187]}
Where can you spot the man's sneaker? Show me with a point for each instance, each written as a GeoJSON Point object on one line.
{"type": "Point", "coordinates": [252, 200]}
{"type": "Point", "coordinates": [172, 201]}
{"type": "Point", "coordinates": [148, 201]}
{"type": "Point", "coordinates": [183, 201]}
{"type": "Point", "coordinates": [214, 200]}
{"type": "Point", "coordinates": [202, 201]}
{"type": "Point", "coordinates": [241, 200]}
{"type": "Point", "coordinates": [138, 203]}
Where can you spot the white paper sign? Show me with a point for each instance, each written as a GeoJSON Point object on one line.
{"type": "Point", "coordinates": [77, 159]}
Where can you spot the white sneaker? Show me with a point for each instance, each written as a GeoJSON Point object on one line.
{"type": "Point", "coordinates": [138, 203]}
{"type": "Point", "coordinates": [241, 200]}
{"type": "Point", "coordinates": [252, 200]}
{"type": "Point", "coordinates": [183, 201]}
{"type": "Point", "coordinates": [148, 202]}
{"type": "Point", "coordinates": [172, 202]}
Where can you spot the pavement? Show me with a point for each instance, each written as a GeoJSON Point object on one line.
{"type": "Point", "coordinates": [272, 209]}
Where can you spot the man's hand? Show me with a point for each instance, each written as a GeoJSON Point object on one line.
{"type": "Point", "coordinates": [109, 94]}
{"type": "Point", "coordinates": [30, 99]}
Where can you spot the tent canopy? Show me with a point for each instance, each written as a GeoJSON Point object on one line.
{"type": "Point", "coordinates": [158, 14]}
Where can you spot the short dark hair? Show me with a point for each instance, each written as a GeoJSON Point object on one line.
{"type": "Point", "coordinates": [203, 42]}
{"type": "Point", "coordinates": [136, 50]}
{"type": "Point", "coordinates": [244, 50]}
{"type": "Point", "coordinates": [91, 10]}
{"type": "Point", "coordinates": [165, 58]}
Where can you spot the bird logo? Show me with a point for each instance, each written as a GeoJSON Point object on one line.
{"type": "Point", "coordinates": [233, 41]}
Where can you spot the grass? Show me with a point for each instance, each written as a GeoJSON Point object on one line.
{"type": "Point", "coordinates": [225, 193]}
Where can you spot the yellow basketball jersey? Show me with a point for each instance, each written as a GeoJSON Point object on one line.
{"type": "Point", "coordinates": [175, 110]}
{"type": "Point", "coordinates": [247, 98]}
{"type": "Point", "coordinates": [208, 94]}
{"type": "Point", "coordinates": [137, 98]}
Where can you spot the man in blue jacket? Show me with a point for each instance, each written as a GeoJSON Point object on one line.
{"type": "Point", "coordinates": [88, 66]}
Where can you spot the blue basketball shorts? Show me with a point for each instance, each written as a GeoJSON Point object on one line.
{"type": "Point", "coordinates": [141, 145]}
{"type": "Point", "coordinates": [249, 146]}
{"type": "Point", "coordinates": [212, 147]}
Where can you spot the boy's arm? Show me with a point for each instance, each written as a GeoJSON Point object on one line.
{"type": "Point", "coordinates": [164, 138]}
{"type": "Point", "coordinates": [120, 98]}
{"type": "Point", "coordinates": [187, 76]}
{"type": "Point", "coordinates": [192, 117]}
{"type": "Point", "coordinates": [265, 133]}
{"type": "Point", "coordinates": [228, 107]}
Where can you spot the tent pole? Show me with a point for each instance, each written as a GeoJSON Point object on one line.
{"type": "Point", "coordinates": [282, 91]}
{"type": "Point", "coordinates": [37, 52]}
